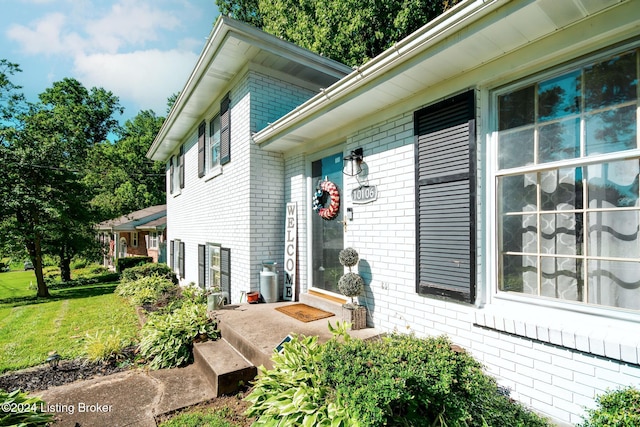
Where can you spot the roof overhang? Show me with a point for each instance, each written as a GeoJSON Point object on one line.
{"type": "Point", "coordinates": [230, 47]}
{"type": "Point", "coordinates": [152, 216]}
{"type": "Point", "coordinates": [467, 37]}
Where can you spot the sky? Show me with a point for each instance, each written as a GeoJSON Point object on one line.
{"type": "Point", "coordinates": [141, 50]}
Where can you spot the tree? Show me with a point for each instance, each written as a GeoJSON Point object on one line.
{"type": "Point", "coordinates": [122, 177]}
{"type": "Point", "coordinates": [44, 202]}
{"type": "Point", "coordinates": [349, 31]}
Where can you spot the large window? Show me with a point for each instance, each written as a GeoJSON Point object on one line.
{"type": "Point", "coordinates": [567, 178]}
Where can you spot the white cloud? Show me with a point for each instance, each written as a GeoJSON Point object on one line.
{"type": "Point", "coordinates": [147, 78]}
{"type": "Point", "coordinates": [117, 45]}
{"type": "Point", "coordinates": [128, 23]}
{"type": "Point", "coordinates": [46, 36]}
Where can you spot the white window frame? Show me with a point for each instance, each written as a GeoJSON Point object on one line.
{"type": "Point", "coordinates": [494, 294]}
{"type": "Point", "coordinates": [213, 167]}
{"type": "Point", "coordinates": [135, 239]}
{"type": "Point", "coordinates": [213, 272]}
{"type": "Point", "coordinates": [176, 258]}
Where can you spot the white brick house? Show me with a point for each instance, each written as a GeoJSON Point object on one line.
{"type": "Point", "coordinates": [222, 190]}
{"type": "Point", "coordinates": [502, 139]}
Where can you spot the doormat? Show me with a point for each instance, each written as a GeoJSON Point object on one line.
{"type": "Point", "coordinates": [303, 312]}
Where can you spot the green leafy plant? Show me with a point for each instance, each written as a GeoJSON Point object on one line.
{"type": "Point", "coordinates": [103, 347]}
{"type": "Point", "coordinates": [616, 408]}
{"type": "Point", "coordinates": [292, 393]}
{"type": "Point", "coordinates": [167, 339]}
{"type": "Point", "coordinates": [404, 380]}
{"type": "Point", "coordinates": [398, 380]}
{"type": "Point", "coordinates": [131, 261]}
{"type": "Point", "coordinates": [149, 269]}
{"type": "Point", "coordinates": [19, 409]}
{"type": "Point", "coordinates": [146, 290]}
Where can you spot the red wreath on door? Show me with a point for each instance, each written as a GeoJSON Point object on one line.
{"type": "Point", "coordinates": [327, 190]}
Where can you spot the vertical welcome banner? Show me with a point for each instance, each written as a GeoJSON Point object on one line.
{"type": "Point", "coordinates": [290, 252]}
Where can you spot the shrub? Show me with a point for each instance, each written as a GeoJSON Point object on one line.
{"type": "Point", "coordinates": [167, 339]}
{"type": "Point", "coordinates": [131, 261]}
{"type": "Point", "coordinates": [617, 408]}
{"type": "Point", "coordinates": [146, 290]}
{"type": "Point", "coordinates": [401, 377]}
{"type": "Point", "coordinates": [17, 408]}
{"type": "Point", "coordinates": [396, 380]}
{"type": "Point", "coordinates": [149, 269]}
{"type": "Point", "coordinates": [79, 263]}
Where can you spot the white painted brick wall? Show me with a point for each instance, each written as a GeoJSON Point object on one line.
{"type": "Point", "coordinates": [554, 380]}
{"type": "Point", "coordinates": [242, 208]}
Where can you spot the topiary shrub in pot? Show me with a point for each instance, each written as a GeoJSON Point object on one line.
{"type": "Point", "coordinates": [352, 285]}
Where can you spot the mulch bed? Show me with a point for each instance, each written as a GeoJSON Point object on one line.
{"type": "Point", "coordinates": [43, 377]}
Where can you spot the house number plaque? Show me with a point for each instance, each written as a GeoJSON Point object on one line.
{"type": "Point", "coordinates": [364, 194]}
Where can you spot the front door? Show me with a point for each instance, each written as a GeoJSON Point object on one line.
{"type": "Point", "coordinates": [122, 253]}
{"type": "Point", "coordinates": [328, 234]}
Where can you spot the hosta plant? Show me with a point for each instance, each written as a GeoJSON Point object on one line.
{"type": "Point", "coordinates": [20, 409]}
{"type": "Point", "coordinates": [292, 394]}
{"type": "Point", "coordinates": [167, 339]}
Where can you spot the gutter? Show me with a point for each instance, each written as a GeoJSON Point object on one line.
{"type": "Point", "coordinates": [433, 32]}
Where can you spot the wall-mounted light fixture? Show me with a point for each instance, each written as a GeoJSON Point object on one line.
{"type": "Point", "coordinates": [351, 166]}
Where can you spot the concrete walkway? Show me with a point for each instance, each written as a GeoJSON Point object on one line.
{"type": "Point", "coordinates": [131, 398]}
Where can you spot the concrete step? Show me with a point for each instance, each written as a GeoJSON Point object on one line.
{"type": "Point", "coordinates": [223, 366]}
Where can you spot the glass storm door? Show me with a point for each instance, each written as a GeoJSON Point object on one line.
{"type": "Point", "coordinates": [328, 235]}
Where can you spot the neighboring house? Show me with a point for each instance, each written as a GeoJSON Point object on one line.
{"type": "Point", "coordinates": [139, 233]}
{"type": "Point", "coordinates": [499, 197]}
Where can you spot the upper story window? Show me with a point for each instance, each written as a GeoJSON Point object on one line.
{"type": "Point", "coordinates": [213, 146]}
{"type": "Point", "coordinates": [176, 172]}
{"type": "Point", "coordinates": [568, 201]}
{"type": "Point", "coordinates": [214, 149]}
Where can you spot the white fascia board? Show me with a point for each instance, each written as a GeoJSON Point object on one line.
{"type": "Point", "coordinates": [224, 29]}
{"type": "Point", "coordinates": [368, 74]}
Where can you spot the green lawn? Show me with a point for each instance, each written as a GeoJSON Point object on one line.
{"type": "Point", "coordinates": [31, 328]}
{"type": "Point", "coordinates": [15, 284]}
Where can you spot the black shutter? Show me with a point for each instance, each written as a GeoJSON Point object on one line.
{"type": "Point", "coordinates": [225, 131]}
{"type": "Point", "coordinates": [171, 254]}
{"type": "Point", "coordinates": [225, 271]}
{"type": "Point", "coordinates": [445, 174]}
{"type": "Point", "coordinates": [181, 166]}
{"type": "Point", "coordinates": [171, 172]}
{"type": "Point", "coordinates": [201, 149]}
{"type": "Point", "coordinates": [202, 266]}
{"type": "Point", "coordinates": [181, 260]}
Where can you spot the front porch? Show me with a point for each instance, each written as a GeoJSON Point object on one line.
{"type": "Point", "coordinates": [250, 333]}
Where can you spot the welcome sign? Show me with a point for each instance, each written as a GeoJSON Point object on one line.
{"type": "Point", "coordinates": [290, 252]}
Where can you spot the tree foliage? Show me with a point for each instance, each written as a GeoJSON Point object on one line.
{"type": "Point", "coordinates": [122, 178]}
{"type": "Point", "coordinates": [349, 31]}
{"type": "Point", "coordinates": [44, 203]}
